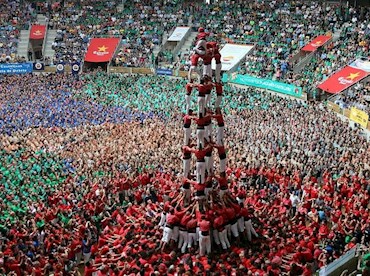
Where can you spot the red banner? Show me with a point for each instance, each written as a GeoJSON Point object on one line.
{"type": "Point", "coordinates": [37, 32]}
{"type": "Point", "coordinates": [342, 79]}
{"type": "Point", "coordinates": [101, 49]}
{"type": "Point", "coordinates": [316, 43]}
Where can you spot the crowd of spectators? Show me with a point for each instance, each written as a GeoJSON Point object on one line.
{"type": "Point", "coordinates": [357, 96]}
{"type": "Point", "coordinates": [91, 188]}
{"type": "Point", "coordinates": [14, 17]}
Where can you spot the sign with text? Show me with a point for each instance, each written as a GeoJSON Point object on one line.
{"type": "Point", "coordinates": [284, 88]}
{"type": "Point", "coordinates": [178, 34]}
{"type": "Point", "coordinates": [231, 55]}
{"type": "Point", "coordinates": [16, 68]}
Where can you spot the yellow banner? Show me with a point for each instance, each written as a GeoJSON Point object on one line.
{"type": "Point", "coordinates": [359, 117]}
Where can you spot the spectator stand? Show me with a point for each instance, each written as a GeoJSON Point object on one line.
{"type": "Point", "coordinates": [306, 53]}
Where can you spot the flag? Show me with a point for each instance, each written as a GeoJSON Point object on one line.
{"type": "Point", "coordinates": [101, 49]}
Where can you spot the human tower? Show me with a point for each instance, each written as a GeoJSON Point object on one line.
{"type": "Point", "coordinates": [204, 117]}
{"type": "Point", "coordinates": [210, 213]}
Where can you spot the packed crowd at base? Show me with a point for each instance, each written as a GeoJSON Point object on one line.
{"type": "Point", "coordinates": [89, 166]}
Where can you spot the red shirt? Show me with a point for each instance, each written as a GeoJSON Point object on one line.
{"type": "Point", "coordinates": [204, 225]}
{"type": "Point", "coordinates": [189, 88]}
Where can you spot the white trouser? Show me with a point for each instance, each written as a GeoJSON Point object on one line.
{"type": "Point", "coordinates": [223, 239]}
{"type": "Point", "coordinates": [223, 165]}
{"type": "Point", "coordinates": [175, 234]}
{"type": "Point", "coordinates": [167, 234]}
{"type": "Point", "coordinates": [187, 135]}
{"type": "Point", "coordinates": [201, 172]}
{"type": "Point", "coordinates": [187, 193]}
{"type": "Point", "coordinates": [250, 229]}
{"type": "Point", "coordinates": [209, 164]}
{"type": "Point", "coordinates": [186, 166]}
{"type": "Point", "coordinates": [241, 226]}
{"type": "Point", "coordinates": [207, 70]}
{"type": "Point", "coordinates": [218, 72]}
{"type": "Point", "coordinates": [201, 105]}
{"type": "Point", "coordinates": [86, 257]}
{"type": "Point", "coordinates": [228, 230]}
{"type": "Point", "coordinates": [200, 137]}
{"type": "Point", "coordinates": [220, 135]}
{"type": "Point", "coordinates": [188, 102]}
{"type": "Point", "coordinates": [192, 239]}
{"type": "Point", "coordinates": [197, 232]}
{"type": "Point", "coordinates": [234, 229]}
{"type": "Point", "coordinates": [78, 257]}
{"type": "Point", "coordinates": [222, 192]}
{"type": "Point", "coordinates": [216, 236]}
{"type": "Point", "coordinates": [218, 101]}
{"type": "Point", "coordinates": [163, 220]}
{"type": "Point", "coordinates": [207, 100]}
{"type": "Point", "coordinates": [208, 130]}
{"type": "Point", "coordinates": [204, 245]}
{"type": "Point", "coordinates": [183, 240]}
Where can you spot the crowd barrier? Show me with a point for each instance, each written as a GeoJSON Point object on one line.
{"type": "Point", "coordinates": [347, 261]}
{"type": "Point", "coordinates": [358, 116]}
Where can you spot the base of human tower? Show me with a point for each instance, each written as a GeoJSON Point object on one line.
{"type": "Point", "coordinates": [205, 214]}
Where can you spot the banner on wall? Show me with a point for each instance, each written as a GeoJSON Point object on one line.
{"type": "Point", "coordinates": [231, 55]}
{"type": "Point", "coordinates": [359, 116]}
{"type": "Point", "coordinates": [343, 79]}
{"type": "Point", "coordinates": [38, 66]}
{"type": "Point", "coordinates": [16, 68]}
{"type": "Point", "coordinates": [280, 87]}
{"type": "Point", "coordinates": [60, 68]}
{"type": "Point", "coordinates": [76, 68]}
{"type": "Point", "coordinates": [164, 72]}
{"type": "Point", "coordinates": [362, 64]}
{"type": "Point", "coordinates": [316, 43]}
{"type": "Point", "coordinates": [37, 32]}
{"type": "Point", "coordinates": [276, 86]}
{"type": "Point", "coordinates": [178, 34]}
{"type": "Point", "coordinates": [101, 49]}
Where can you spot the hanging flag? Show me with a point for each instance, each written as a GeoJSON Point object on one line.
{"type": "Point", "coordinates": [37, 32]}
{"type": "Point", "coordinates": [38, 66]}
{"type": "Point", "coordinates": [60, 67]}
{"type": "Point", "coordinates": [343, 79]}
{"type": "Point", "coordinates": [76, 67]}
{"type": "Point", "coordinates": [101, 49]}
{"type": "Point", "coordinates": [316, 43]}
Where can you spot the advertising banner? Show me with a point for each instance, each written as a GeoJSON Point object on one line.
{"type": "Point", "coordinates": [37, 32]}
{"type": "Point", "coordinates": [178, 34]}
{"type": "Point", "coordinates": [101, 49]}
{"type": "Point", "coordinates": [316, 43]}
{"type": "Point", "coordinates": [231, 55]}
{"type": "Point", "coordinates": [284, 88]}
{"type": "Point", "coordinates": [342, 79]}
{"type": "Point", "coordinates": [359, 116]}
{"type": "Point", "coordinates": [164, 72]}
{"type": "Point", "coordinates": [16, 68]}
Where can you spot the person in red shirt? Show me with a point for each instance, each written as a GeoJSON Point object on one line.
{"type": "Point", "coordinates": [222, 155]}
{"type": "Point", "coordinates": [172, 220]}
{"type": "Point", "coordinates": [220, 126]}
{"type": "Point", "coordinates": [189, 88]}
{"type": "Point", "coordinates": [200, 166]}
{"type": "Point", "coordinates": [204, 236]}
{"type": "Point", "coordinates": [213, 51]}
{"type": "Point", "coordinates": [201, 122]}
{"type": "Point", "coordinates": [187, 123]}
{"type": "Point", "coordinates": [200, 50]}
{"type": "Point", "coordinates": [203, 88]}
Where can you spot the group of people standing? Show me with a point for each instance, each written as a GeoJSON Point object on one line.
{"type": "Point", "coordinates": [210, 211]}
